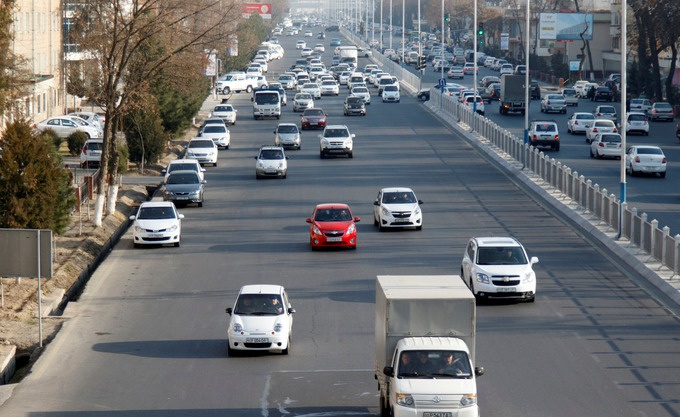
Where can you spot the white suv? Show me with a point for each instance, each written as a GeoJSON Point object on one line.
{"type": "Point", "coordinates": [261, 319]}
{"type": "Point", "coordinates": [498, 267]}
{"type": "Point", "coordinates": [336, 139]}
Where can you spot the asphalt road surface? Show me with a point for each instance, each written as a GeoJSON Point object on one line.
{"type": "Point", "coordinates": [149, 335]}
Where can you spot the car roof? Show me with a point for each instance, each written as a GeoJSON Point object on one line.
{"type": "Point", "coordinates": [157, 203]}
{"type": "Point", "coordinates": [183, 171]}
{"type": "Point", "coordinates": [496, 241]}
{"type": "Point", "coordinates": [326, 206]}
{"type": "Point", "coordinates": [646, 147]}
{"type": "Point", "coordinates": [184, 161]}
{"type": "Point", "coordinates": [396, 190]}
{"type": "Point", "coordinates": [261, 289]}
{"type": "Point", "coordinates": [337, 127]}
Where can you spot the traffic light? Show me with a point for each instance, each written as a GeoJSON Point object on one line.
{"type": "Point", "coordinates": [447, 17]}
{"type": "Point", "coordinates": [480, 34]}
{"type": "Point", "coordinates": [422, 63]}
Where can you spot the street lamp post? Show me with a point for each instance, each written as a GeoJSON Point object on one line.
{"type": "Point", "coordinates": [527, 80]}
{"type": "Point", "coordinates": [474, 57]}
{"type": "Point", "coordinates": [624, 95]}
{"type": "Point", "coordinates": [390, 24]}
{"type": "Point", "coordinates": [443, 45]}
{"type": "Point", "coordinates": [403, 31]}
{"type": "Point", "coordinates": [381, 26]}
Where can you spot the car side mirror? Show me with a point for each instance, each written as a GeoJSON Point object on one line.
{"type": "Point", "coordinates": [534, 260]}
{"type": "Point", "coordinates": [308, 220]}
{"type": "Point", "coordinates": [274, 131]}
{"type": "Point", "coordinates": [202, 169]}
{"type": "Point", "coordinates": [164, 171]}
{"type": "Point", "coordinates": [376, 203]}
{"type": "Point", "coordinates": [420, 202]}
{"type": "Point", "coordinates": [353, 135]}
{"type": "Point", "coordinates": [133, 217]}
{"type": "Point", "coordinates": [291, 310]}
{"type": "Point", "coordinates": [388, 371]}
{"type": "Point", "coordinates": [254, 157]}
{"type": "Point", "coordinates": [204, 182]}
{"type": "Point", "coordinates": [357, 220]}
{"type": "Point", "coordinates": [180, 216]}
{"type": "Point", "coordinates": [228, 310]}
{"type": "Point", "coordinates": [479, 370]}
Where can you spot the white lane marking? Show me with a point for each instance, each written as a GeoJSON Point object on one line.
{"type": "Point", "coordinates": [265, 394]}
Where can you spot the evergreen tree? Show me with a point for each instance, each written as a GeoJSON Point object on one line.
{"type": "Point", "coordinates": [36, 190]}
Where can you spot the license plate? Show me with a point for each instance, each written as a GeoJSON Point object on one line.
{"type": "Point", "coordinates": [436, 414]}
{"type": "Point", "coordinates": [504, 289]}
{"type": "Point", "coordinates": [182, 198]}
{"type": "Point", "coordinates": [401, 220]}
{"type": "Point", "coordinates": [155, 235]}
{"type": "Point", "coordinates": [333, 239]}
{"type": "Point", "coordinates": [313, 123]}
{"type": "Point", "coordinates": [257, 340]}
{"type": "Point", "coordinates": [545, 137]}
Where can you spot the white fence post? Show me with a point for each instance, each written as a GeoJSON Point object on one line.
{"type": "Point", "coordinates": [676, 267]}
{"type": "Point", "coordinates": [652, 237]}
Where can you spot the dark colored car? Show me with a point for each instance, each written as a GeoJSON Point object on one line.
{"type": "Point", "coordinates": [535, 90]}
{"type": "Point", "coordinates": [677, 130]}
{"type": "Point", "coordinates": [424, 94]}
{"type": "Point", "coordinates": [333, 28]}
{"type": "Point", "coordinates": [354, 105]}
{"type": "Point", "coordinates": [313, 119]}
{"type": "Point", "coordinates": [184, 187]}
{"type": "Point", "coordinates": [603, 93]}
{"type": "Point", "coordinates": [494, 91]}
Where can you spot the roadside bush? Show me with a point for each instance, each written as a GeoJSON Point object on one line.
{"type": "Point", "coordinates": [51, 136]}
{"type": "Point", "coordinates": [76, 140]}
{"type": "Point", "coordinates": [145, 136]}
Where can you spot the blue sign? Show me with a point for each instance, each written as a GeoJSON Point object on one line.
{"type": "Point", "coordinates": [442, 82]}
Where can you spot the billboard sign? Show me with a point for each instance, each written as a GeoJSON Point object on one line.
{"type": "Point", "coordinates": [26, 253]}
{"type": "Point", "coordinates": [210, 62]}
{"type": "Point", "coordinates": [505, 41]}
{"type": "Point", "coordinates": [263, 9]}
{"type": "Point", "coordinates": [565, 26]}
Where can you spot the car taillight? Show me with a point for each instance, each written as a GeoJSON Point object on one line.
{"type": "Point", "coordinates": [654, 111]}
{"type": "Point", "coordinates": [601, 145]}
{"type": "Point", "coordinates": [535, 137]}
{"type": "Point", "coordinates": [637, 159]}
{"type": "Point", "coordinates": [663, 161]}
{"type": "Point", "coordinates": [616, 130]}
{"type": "Point", "coordinates": [598, 114]}
{"type": "Point", "coordinates": [557, 137]}
{"type": "Point", "coordinates": [594, 130]}
{"type": "Point", "coordinates": [576, 122]}
{"type": "Point", "coordinates": [85, 149]}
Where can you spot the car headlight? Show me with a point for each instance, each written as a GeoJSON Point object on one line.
{"type": "Point", "coordinates": [280, 165]}
{"type": "Point", "coordinates": [139, 229]}
{"type": "Point", "coordinates": [386, 212]}
{"type": "Point", "coordinates": [528, 276]}
{"type": "Point", "coordinates": [468, 400]}
{"type": "Point", "coordinates": [483, 278]}
{"type": "Point", "coordinates": [417, 210]}
{"type": "Point", "coordinates": [195, 193]}
{"type": "Point", "coordinates": [237, 327]}
{"type": "Point", "coordinates": [324, 142]}
{"type": "Point", "coordinates": [260, 165]}
{"type": "Point", "coordinates": [351, 229]}
{"type": "Point", "coordinates": [405, 400]}
{"type": "Point", "coordinates": [316, 230]}
{"type": "Point", "coordinates": [278, 327]}
{"type": "Point", "coordinates": [173, 228]}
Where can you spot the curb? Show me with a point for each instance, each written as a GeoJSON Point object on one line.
{"type": "Point", "coordinates": [577, 220]}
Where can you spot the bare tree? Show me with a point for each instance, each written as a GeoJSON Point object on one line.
{"type": "Point", "coordinates": [117, 35]}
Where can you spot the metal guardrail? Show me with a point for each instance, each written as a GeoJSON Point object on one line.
{"type": "Point", "coordinates": [646, 235]}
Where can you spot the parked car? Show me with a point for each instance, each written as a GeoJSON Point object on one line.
{"type": "Point", "coordinates": [397, 207]}
{"type": "Point", "coordinates": [64, 126]}
{"type": "Point", "coordinates": [260, 320]}
{"type": "Point", "coordinates": [156, 223]}
{"type": "Point", "coordinates": [271, 161]}
{"type": "Point", "coordinates": [661, 111]}
{"type": "Point", "coordinates": [332, 225]}
{"type": "Point", "coordinates": [645, 159]}
{"type": "Point", "coordinates": [499, 267]}
{"type": "Point", "coordinates": [184, 187]}
{"type": "Point", "coordinates": [91, 153]}
{"type": "Point", "coordinates": [606, 145]}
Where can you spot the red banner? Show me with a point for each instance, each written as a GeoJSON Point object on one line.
{"type": "Point", "coordinates": [263, 9]}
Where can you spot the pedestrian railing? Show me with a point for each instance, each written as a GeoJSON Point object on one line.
{"type": "Point", "coordinates": [642, 233]}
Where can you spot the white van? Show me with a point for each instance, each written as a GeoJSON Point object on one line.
{"type": "Point", "coordinates": [266, 103]}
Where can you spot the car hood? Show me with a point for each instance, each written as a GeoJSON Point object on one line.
{"type": "Point", "coordinates": [342, 225]}
{"type": "Point", "coordinates": [259, 323]}
{"type": "Point", "coordinates": [182, 188]}
{"type": "Point", "coordinates": [439, 386]}
{"type": "Point", "coordinates": [215, 135]}
{"type": "Point", "coordinates": [315, 118]}
{"type": "Point", "coordinates": [401, 207]}
{"type": "Point", "coordinates": [156, 224]}
{"type": "Point", "coordinates": [274, 163]}
{"type": "Point", "coordinates": [288, 136]}
{"type": "Point", "coordinates": [503, 269]}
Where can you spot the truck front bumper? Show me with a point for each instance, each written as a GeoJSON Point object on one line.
{"type": "Point", "coordinates": [472, 411]}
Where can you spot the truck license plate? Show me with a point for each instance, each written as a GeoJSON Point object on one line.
{"type": "Point", "coordinates": [257, 340]}
{"type": "Point", "coordinates": [436, 414]}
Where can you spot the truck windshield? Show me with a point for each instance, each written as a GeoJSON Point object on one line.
{"type": "Point", "coordinates": [434, 364]}
{"type": "Point", "coordinates": [267, 98]}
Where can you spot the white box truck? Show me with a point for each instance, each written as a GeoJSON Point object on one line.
{"type": "Point", "coordinates": [425, 346]}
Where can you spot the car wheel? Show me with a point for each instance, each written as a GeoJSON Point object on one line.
{"type": "Point", "coordinates": [646, 133]}
{"type": "Point", "coordinates": [531, 299]}
{"type": "Point", "coordinates": [592, 155]}
{"type": "Point", "coordinates": [136, 245]}
{"type": "Point", "coordinates": [322, 155]}
{"type": "Point", "coordinates": [287, 349]}
{"type": "Point", "coordinates": [226, 90]}
{"type": "Point", "coordinates": [231, 352]}
{"type": "Point", "coordinates": [375, 222]}
{"type": "Point", "coordinates": [249, 89]}
{"type": "Point", "coordinates": [662, 174]}
{"type": "Point", "coordinates": [557, 147]}
{"type": "Point", "coordinates": [177, 244]}
{"type": "Point", "coordinates": [598, 155]}
{"type": "Point", "coordinates": [632, 171]}
{"type": "Point", "coordinates": [350, 155]}
{"type": "Point", "coordinates": [419, 227]}
{"type": "Point", "coordinates": [200, 204]}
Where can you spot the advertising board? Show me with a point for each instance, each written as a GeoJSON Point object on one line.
{"type": "Point", "coordinates": [263, 9]}
{"type": "Point", "coordinates": [565, 26]}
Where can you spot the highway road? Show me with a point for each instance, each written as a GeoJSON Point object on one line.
{"type": "Point", "coordinates": [658, 197]}
{"type": "Point", "coordinates": [147, 337]}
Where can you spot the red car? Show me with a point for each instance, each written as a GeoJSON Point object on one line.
{"type": "Point", "coordinates": [313, 119]}
{"type": "Point", "coordinates": [333, 225]}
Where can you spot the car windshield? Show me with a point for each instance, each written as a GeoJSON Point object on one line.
{"type": "Point", "coordinates": [224, 108]}
{"type": "Point", "coordinates": [333, 215]}
{"type": "Point", "coordinates": [214, 129]}
{"type": "Point", "coordinates": [156, 213]}
{"type": "Point", "coordinates": [303, 97]}
{"type": "Point", "coordinates": [183, 178]}
{"type": "Point", "coordinates": [649, 151]}
{"type": "Point", "coordinates": [313, 112]}
{"type": "Point", "coordinates": [354, 100]}
{"type": "Point", "coordinates": [182, 167]}
{"type": "Point", "coordinates": [391, 88]}
{"type": "Point", "coordinates": [201, 144]}
{"type": "Point", "coordinates": [310, 85]}
{"type": "Point", "coordinates": [501, 255]}
{"type": "Point", "coordinates": [433, 364]}
{"type": "Point", "coordinates": [399, 197]}
{"type": "Point", "coordinates": [585, 116]}
{"type": "Point", "coordinates": [335, 133]}
{"type": "Point", "coordinates": [259, 305]}
{"type": "Point", "coordinates": [271, 154]}
{"type": "Point", "coordinates": [545, 127]}
{"type": "Point", "coordinates": [288, 129]}
{"type": "Point", "coordinates": [604, 123]}
{"type": "Point", "coordinates": [328, 83]}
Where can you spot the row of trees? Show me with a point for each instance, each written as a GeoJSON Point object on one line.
{"type": "Point", "coordinates": [146, 71]}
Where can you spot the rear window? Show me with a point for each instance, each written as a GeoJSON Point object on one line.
{"type": "Point", "coordinates": [545, 127]}
{"type": "Point", "coordinates": [649, 151]}
{"type": "Point", "coordinates": [585, 117]}
{"type": "Point", "coordinates": [637, 117]}
{"type": "Point", "coordinates": [611, 138]}
{"type": "Point", "coordinates": [607, 109]}
{"type": "Point", "coordinates": [662, 106]}
{"type": "Point", "coordinates": [94, 146]}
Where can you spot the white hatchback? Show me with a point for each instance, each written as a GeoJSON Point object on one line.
{"type": "Point", "coordinates": [156, 223]}
{"type": "Point", "coordinates": [397, 207]}
{"type": "Point", "coordinates": [600, 126]}
{"type": "Point", "coordinates": [260, 320]}
{"type": "Point", "coordinates": [498, 267]}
